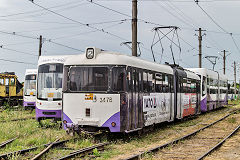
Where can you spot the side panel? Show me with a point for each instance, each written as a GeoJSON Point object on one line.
{"type": "Point", "coordinates": [156, 108]}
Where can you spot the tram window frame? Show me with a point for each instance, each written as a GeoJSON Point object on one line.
{"type": "Point", "coordinates": [140, 77]}
{"type": "Point", "coordinates": [7, 81]}
{"type": "Point", "coordinates": [114, 70]}
{"type": "Point", "coordinates": [77, 89]}
{"type": "Point", "coordinates": [150, 80]}
{"type": "Point", "coordinates": [204, 87]}
{"type": "Point", "coordinates": [12, 83]}
{"type": "Point", "coordinates": [166, 86]}
{"type": "Point", "coordinates": [184, 85]}
{"type": "Point", "coordinates": [145, 81]}
{"type": "Point", "coordinates": [1, 81]}
{"type": "Point", "coordinates": [158, 82]}
{"type": "Point", "coordinates": [170, 80]}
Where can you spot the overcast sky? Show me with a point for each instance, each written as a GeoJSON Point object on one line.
{"type": "Point", "coordinates": [28, 20]}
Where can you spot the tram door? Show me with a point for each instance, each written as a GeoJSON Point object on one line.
{"type": "Point", "coordinates": [133, 109]}
{"type": "Point", "coordinates": [7, 86]}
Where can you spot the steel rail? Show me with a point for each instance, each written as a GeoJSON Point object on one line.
{"type": "Point", "coordinates": [5, 156]}
{"type": "Point", "coordinates": [19, 119]}
{"type": "Point", "coordinates": [3, 144]}
{"type": "Point", "coordinates": [219, 144]}
{"type": "Point", "coordinates": [139, 156]}
{"type": "Point", "coordinates": [84, 151]}
{"type": "Point", "coordinates": [45, 150]}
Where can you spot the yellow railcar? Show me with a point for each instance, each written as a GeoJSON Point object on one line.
{"type": "Point", "coordinates": [11, 90]}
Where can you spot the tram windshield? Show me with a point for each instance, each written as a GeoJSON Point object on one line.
{"type": "Point", "coordinates": [50, 81]}
{"type": "Point", "coordinates": [30, 85]}
{"type": "Point", "coordinates": [89, 78]}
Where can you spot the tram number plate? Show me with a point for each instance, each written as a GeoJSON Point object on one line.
{"type": "Point", "coordinates": [106, 99]}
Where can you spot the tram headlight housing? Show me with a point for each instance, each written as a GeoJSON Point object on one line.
{"type": "Point", "coordinates": [90, 53]}
{"type": "Point", "coordinates": [113, 124]}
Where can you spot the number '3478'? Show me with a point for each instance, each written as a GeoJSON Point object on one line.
{"type": "Point", "coordinates": [106, 99]}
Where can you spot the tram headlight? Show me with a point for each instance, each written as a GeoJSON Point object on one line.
{"type": "Point", "coordinates": [113, 124]}
{"type": "Point", "coordinates": [90, 53]}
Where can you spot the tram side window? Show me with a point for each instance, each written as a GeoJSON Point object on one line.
{"type": "Point", "coordinates": [118, 79]}
{"type": "Point", "coordinates": [203, 86]}
{"type": "Point", "coordinates": [170, 80]}
{"type": "Point", "coordinates": [136, 80]}
{"type": "Point", "coordinates": [12, 81]}
{"type": "Point", "coordinates": [165, 84]}
{"type": "Point", "coordinates": [89, 79]}
{"type": "Point", "coordinates": [213, 91]}
{"type": "Point", "coordinates": [153, 83]}
{"type": "Point", "coordinates": [150, 82]}
{"type": "Point", "coordinates": [193, 86]}
{"type": "Point", "coordinates": [145, 82]}
{"type": "Point", "coordinates": [184, 83]}
{"type": "Point", "coordinates": [140, 81]}
{"type": "Point", "coordinates": [7, 81]}
{"type": "Point", "coordinates": [159, 82]}
{"type": "Point", "coordinates": [1, 81]}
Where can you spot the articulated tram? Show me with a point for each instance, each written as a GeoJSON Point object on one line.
{"type": "Point", "coordinates": [49, 87]}
{"type": "Point", "coordinates": [111, 91]}
{"type": "Point", "coordinates": [213, 88]}
{"type": "Point", "coordinates": [29, 96]}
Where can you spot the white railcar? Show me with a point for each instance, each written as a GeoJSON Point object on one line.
{"type": "Point", "coordinates": [49, 87]}
{"type": "Point", "coordinates": [120, 93]}
{"type": "Point", "coordinates": [29, 91]}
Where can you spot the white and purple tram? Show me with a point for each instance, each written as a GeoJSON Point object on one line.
{"type": "Point", "coordinates": [213, 88]}
{"type": "Point", "coordinates": [120, 93]}
{"type": "Point", "coordinates": [49, 87]}
{"type": "Point", "coordinates": [223, 90]}
{"type": "Point", "coordinates": [29, 96]}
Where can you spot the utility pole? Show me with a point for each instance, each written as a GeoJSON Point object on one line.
{"type": "Point", "coordinates": [235, 80]}
{"type": "Point", "coordinates": [134, 28]}
{"type": "Point", "coordinates": [224, 60]}
{"type": "Point", "coordinates": [200, 46]}
{"type": "Point", "coordinates": [40, 46]}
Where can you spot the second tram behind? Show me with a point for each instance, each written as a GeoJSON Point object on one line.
{"type": "Point", "coordinates": [29, 96]}
{"type": "Point", "coordinates": [49, 87]}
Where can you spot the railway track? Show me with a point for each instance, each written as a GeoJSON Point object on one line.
{"type": "Point", "coordinates": [3, 144]}
{"type": "Point", "coordinates": [23, 151]}
{"type": "Point", "coordinates": [85, 151]}
{"type": "Point", "coordinates": [18, 119]}
{"type": "Point", "coordinates": [202, 140]}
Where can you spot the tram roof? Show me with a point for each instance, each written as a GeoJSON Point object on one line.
{"type": "Point", "coordinates": [113, 58]}
{"type": "Point", "coordinates": [30, 71]}
{"type": "Point", "coordinates": [191, 74]}
{"type": "Point", "coordinates": [205, 72]}
{"type": "Point", "coordinates": [53, 59]}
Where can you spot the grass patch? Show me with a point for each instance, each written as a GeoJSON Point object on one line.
{"type": "Point", "coordinates": [232, 120]}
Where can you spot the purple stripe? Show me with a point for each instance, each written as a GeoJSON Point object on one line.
{"type": "Point", "coordinates": [115, 118]}
{"type": "Point", "coordinates": [39, 113]}
{"type": "Point", "coordinates": [66, 118]}
{"type": "Point", "coordinates": [204, 105]}
{"type": "Point", "coordinates": [29, 104]}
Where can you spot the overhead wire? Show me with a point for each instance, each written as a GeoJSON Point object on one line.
{"type": "Point", "coordinates": [219, 26]}
{"type": "Point", "coordinates": [36, 38]}
{"type": "Point", "coordinates": [17, 51]}
{"type": "Point", "coordinates": [84, 33]}
{"type": "Point", "coordinates": [7, 60]}
{"type": "Point", "coordinates": [27, 12]}
{"type": "Point", "coordinates": [81, 23]}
